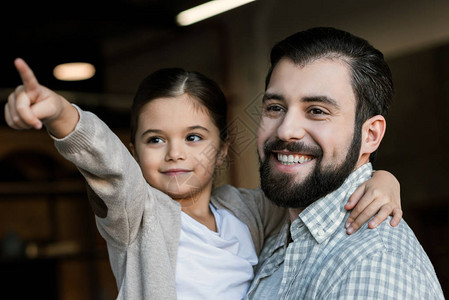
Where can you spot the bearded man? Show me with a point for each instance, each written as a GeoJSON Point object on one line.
{"type": "Point", "coordinates": [327, 94]}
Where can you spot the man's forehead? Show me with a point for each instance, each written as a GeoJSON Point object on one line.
{"type": "Point", "coordinates": [331, 67]}
{"type": "Point", "coordinates": [322, 79]}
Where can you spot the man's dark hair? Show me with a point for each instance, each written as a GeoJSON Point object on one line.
{"type": "Point", "coordinates": [372, 82]}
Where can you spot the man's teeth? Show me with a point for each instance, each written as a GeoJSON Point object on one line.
{"type": "Point", "coordinates": [292, 159]}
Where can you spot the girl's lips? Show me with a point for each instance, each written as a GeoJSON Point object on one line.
{"type": "Point", "coordinates": [175, 172]}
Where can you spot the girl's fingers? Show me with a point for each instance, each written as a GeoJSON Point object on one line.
{"type": "Point", "coordinates": [14, 121]}
{"type": "Point", "coordinates": [18, 111]}
{"type": "Point", "coordinates": [397, 217]}
{"type": "Point", "coordinates": [355, 197]}
{"type": "Point", "coordinates": [44, 110]}
{"type": "Point", "coordinates": [8, 117]}
{"type": "Point", "coordinates": [370, 201]}
{"type": "Point", "coordinates": [13, 117]}
{"type": "Point", "coordinates": [353, 200]}
{"type": "Point", "coordinates": [30, 103]}
{"type": "Point", "coordinates": [365, 210]}
{"type": "Point", "coordinates": [381, 215]}
{"type": "Point", "coordinates": [23, 108]}
{"type": "Point", "coordinates": [26, 74]}
{"type": "Point", "coordinates": [361, 219]}
{"type": "Point", "coordinates": [363, 201]}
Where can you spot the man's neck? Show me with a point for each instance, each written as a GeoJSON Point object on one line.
{"type": "Point", "coordinates": [294, 213]}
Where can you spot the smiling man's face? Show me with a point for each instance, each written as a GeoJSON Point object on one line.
{"type": "Point", "coordinates": [306, 141]}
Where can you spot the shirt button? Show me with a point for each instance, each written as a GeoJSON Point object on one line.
{"type": "Point", "coordinates": [321, 232]}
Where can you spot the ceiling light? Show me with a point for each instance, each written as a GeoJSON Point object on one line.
{"type": "Point", "coordinates": [74, 71]}
{"type": "Point", "coordinates": [207, 10]}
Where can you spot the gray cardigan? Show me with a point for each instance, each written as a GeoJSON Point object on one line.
{"type": "Point", "coordinates": [140, 224]}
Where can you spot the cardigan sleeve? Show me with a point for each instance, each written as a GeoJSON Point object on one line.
{"type": "Point", "coordinates": [116, 186]}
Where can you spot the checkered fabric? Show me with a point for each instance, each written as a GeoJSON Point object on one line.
{"type": "Point", "coordinates": [320, 261]}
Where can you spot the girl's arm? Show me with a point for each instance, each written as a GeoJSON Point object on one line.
{"type": "Point", "coordinates": [381, 195]}
{"type": "Point", "coordinates": [86, 141]}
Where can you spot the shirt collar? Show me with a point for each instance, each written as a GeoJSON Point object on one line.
{"type": "Point", "coordinates": [283, 237]}
{"type": "Point", "coordinates": [325, 215]}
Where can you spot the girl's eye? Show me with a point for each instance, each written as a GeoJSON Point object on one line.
{"type": "Point", "coordinates": [155, 140]}
{"type": "Point", "coordinates": [193, 138]}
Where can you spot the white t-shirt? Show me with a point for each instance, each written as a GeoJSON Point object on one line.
{"type": "Point", "coordinates": [214, 265]}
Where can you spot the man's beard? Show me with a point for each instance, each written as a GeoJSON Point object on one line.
{"type": "Point", "coordinates": [282, 189]}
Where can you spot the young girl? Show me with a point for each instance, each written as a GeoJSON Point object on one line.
{"type": "Point", "coordinates": [168, 235]}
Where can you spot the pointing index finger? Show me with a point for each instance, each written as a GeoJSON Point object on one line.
{"type": "Point", "coordinates": [26, 74]}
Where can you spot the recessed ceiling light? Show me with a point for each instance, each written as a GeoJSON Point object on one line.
{"type": "Point", "coordinates": [207, 10]}
{"type": "Point", "coordinates": [74, 71]}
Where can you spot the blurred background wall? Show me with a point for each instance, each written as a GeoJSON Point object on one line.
{"type": "Point", "coordinates": [49, 243]}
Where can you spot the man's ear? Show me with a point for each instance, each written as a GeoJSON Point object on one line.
{"type": "Point", "coordinates": [373, 131]}
{"type": "Point", "coordinates": [132, 149]}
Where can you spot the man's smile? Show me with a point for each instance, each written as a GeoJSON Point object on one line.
{"type": "Point", "coordinates": [288, 158]}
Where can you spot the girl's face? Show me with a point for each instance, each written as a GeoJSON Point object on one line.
{"type": "Point", "coordinates": [178, 146]}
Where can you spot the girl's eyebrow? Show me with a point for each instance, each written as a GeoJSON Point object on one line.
{"type": "Point", "coordinates": [198, 127]}
{"type": "Point", "coordinates": [158, 131]}
{"type": "Point", "coordinates": [151, 131]}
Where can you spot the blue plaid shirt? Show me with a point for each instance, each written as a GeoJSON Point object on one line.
{"type": "Point", "coordinates": [322, 262]}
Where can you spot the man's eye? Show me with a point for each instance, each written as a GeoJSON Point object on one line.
{"type": "Point", "coordinates": [317, 111]}
{"type": "Point", "coordinates": [193, 138]}
{"type": "Point", "coordinates": [274, 108]}
{"type": "Point", "coordinates": [155, 140]}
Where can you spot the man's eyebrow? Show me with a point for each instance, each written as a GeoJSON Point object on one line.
{"type": "Point", "coordinates": [272, 96]}
{"type": "Point", "coordinates": [322, 99]}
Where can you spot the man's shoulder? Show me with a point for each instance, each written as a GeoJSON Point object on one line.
{"type": "Point", "coordinates": [382, 245]}
{"type": "Point", "coordinates": [402, 242]}
{"type": "Point", "coordinates": [386, 239]}
{"type": "Point", "coordinates": [387, 258]}
{"type": "Point", "coordinates": [399, 240]}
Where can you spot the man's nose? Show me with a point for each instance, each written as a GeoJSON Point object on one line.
{"type": "Point", "coordinates": [175, 151]}
{"type": "Point", "coordinates": [291, 127]}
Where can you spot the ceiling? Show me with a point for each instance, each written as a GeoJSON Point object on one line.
{"type": "Point", "coordinates": [46, 33]}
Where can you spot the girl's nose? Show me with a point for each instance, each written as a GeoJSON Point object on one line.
{"type": "Point", "coordinates": [175, 152]}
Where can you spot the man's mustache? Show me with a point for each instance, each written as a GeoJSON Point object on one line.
{"type": "Point", "coordinates": [295, 147]}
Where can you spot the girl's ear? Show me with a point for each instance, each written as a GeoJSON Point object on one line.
{"type": "Point", "coordinates": [373, 131]}
{"type": "Point", "coordinates": [132, 149]}
{"type": "Point", "coordinates": [223, 153]}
